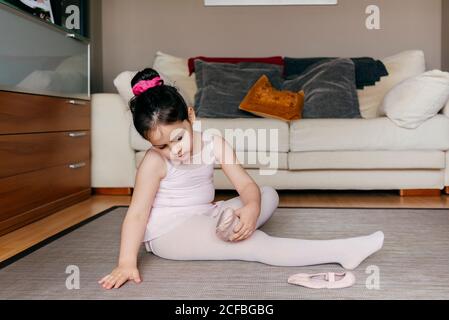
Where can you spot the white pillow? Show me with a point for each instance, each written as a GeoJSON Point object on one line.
{"type": "Point", "coordinates": [138, 143]}
{"type": "Point", "coordinates": [123, 85]}
{"type": "Point", "coordinates": [418, 99]}
{"type": "Point", "coordinates": [177, 70]}
{"type": "Point", "coordinates": [400, 67]}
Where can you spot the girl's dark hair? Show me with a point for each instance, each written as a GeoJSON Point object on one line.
{"type": "Point", "coordinates": [156, 106]}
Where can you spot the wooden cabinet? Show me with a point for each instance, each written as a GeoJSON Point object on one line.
{"type": "Point", "coordinates": [44, 156]}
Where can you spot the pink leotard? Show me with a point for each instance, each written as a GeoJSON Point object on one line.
{"type": "Point", "coordinates": [186, 190]}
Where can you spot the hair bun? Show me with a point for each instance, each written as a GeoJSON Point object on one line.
{"type": "Point", "coordinates": [145, 74]}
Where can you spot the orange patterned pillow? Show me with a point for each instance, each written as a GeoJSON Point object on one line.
{"type": "Point", "coordinates": [265, 101]}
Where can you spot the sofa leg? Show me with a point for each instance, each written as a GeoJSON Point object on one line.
{"type": "Point", "coordinates": [420, 192]}
{"type": "Point", "coordinates": [112, 191]}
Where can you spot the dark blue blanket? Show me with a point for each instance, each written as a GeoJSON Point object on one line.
{"type": "Point", "coordinates": [367, 70]}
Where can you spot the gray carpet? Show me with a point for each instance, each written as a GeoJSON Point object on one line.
{"type": "Point", "coordinates": [413, 264]}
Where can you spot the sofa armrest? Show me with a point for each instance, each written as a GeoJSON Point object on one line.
{"type": "Point", "coordinates": [113, 159]}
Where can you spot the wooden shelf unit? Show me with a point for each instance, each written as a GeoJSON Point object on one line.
{"type": "Point", "coordinates": [45, 152]}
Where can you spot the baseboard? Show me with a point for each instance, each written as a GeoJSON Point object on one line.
{"type": "Point", "coordinates": [402, 192]}
{"type": "Point", "coordinates": [112, 191]}
{"type": "Point", "coordinates": [420, 192]}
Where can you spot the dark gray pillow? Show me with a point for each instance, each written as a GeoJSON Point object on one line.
{"type": "Point", "coordinates": [330, 90]}
{"type": "Point", "coordinates": [223, 86]}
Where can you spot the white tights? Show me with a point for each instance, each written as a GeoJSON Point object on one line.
{"type": "Point", "coordinates": [195, 239]}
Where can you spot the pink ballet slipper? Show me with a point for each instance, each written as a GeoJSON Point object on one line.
{"type": "Point", "coordinates": [329, 280]}
{"type": "Point", "coordinates": [226, 223]}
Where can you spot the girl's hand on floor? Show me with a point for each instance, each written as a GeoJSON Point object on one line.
{"type": "Point", "coordinates": [248, 220]}
{"type": "Point", "coordinates": [119, 276]}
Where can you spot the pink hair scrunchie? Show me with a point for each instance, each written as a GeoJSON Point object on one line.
{"type": "Point", "coordinates": [144, 85]}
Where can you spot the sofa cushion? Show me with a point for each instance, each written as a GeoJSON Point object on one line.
{"type": "Point", "coordinates": [241, 65]}
{"type": "Point", "coordinates": [330, 90]}
{"type": "Point", "coordinates": [250, 129]}
{"type": "Point", "coordinates": [278, 60]}
{"type": "Point", "coordinates": [173, 71]}
{"type": "Point", "coordinates": [265, 101]}
{"type": "Point", "coordinates": [386, 179]}
{"type": "Point", "coordinates": [368, 71]}
{"type": "Point", "coordinates": [123, 85]}
{"type": "Point", "coordinates": [400, 67]}
{"type": "Point", "coordinates": [223, 86]}
{"type": "Point", "coordinates": [177, 70]}
{"type": "Point", "coordinates": [366, 160]}
{"type": "Point", "coordinates": [248, 160]}
{"type": "Point", "coordinates": [445, 110]}
{"type": "Point", "coordinates": [259, 134]}
{"type": "Point", "coordinates": [417, 99]}
{"type": "Point", "coordinates": [137, 142]}
{"type": "Point", "coordinates": [367, 134]}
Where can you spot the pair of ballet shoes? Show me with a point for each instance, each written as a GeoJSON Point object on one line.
{"type": "Point", "coordinates": [328, 280]}
{"type": "Point", "coordinates": [227, 221]}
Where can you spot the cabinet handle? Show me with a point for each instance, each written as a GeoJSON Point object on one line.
{"type": "Point", "coordinates": [77, 165]}
{"type": "Point", "coordinates": [76, 102]}
{"type": "Point", "coordinates": [77, 134]}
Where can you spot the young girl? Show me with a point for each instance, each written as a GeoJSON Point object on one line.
{"type": "Point", "coordinates": [172, 209]}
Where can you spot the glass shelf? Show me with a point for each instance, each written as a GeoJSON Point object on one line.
{"type": "Point", "coordinates": [39, 57]}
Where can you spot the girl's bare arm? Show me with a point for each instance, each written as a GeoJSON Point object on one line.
{"type": "Point", "coordinates": [148, 177]}
{"type": "Point", "coordinates": [247, 188]}
{"type": "Point", "coordinates": [242, 181]}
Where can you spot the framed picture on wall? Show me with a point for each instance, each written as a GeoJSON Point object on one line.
{"type": "Point", "coordinates": [267, 2]}
{"type": "Point", "coordinates": [70, 14]}
{"type": "Point", "coordinates": [39, 8]}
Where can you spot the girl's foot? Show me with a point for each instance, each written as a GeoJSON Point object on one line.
{"type": "Point", "coordinates": [358, 249]}
{"type": "Point", "coordinates": [226, 223]}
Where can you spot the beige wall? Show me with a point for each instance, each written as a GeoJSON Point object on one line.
{"type": "Point", "coordinates": [133, 30]}
{"type": "Point", "coordinates": [445, 37]}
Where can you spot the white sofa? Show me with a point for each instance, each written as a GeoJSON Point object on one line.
{"type": "Point", "coordinates": [371, 153]}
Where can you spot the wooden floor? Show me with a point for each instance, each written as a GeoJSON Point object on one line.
{"type": "Point", "coordinates": [21, 239]}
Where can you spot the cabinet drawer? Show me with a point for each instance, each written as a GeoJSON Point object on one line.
{"type": "Point", "coordinates": [31, 152]}
{"type": "Point", "coordinates": [25, 192]}
{"type": "Point", "coordinates": [27, 113]}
